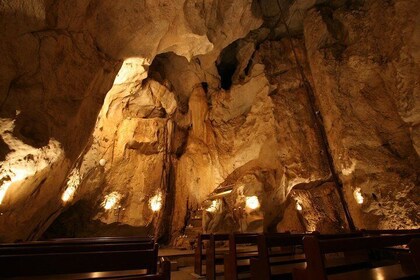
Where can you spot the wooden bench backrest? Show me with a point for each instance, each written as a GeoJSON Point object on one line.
{"type": "Point", "coordinates": [236, 239]}
{"type": "Point", "coordinates": [315, 249]}
{"type": "Point", "coordinates": [280, 239]}
{"type": "Point", "coordinates": [198, 253]}
{"type": "Point", "coordinates": [102, 239]}
{"type": "Point", "coordinates": [415, 251]}
{"type": "Point", "coordinates": [63, 248]}
{"type": "Point", "coordinates": [360, 243]}
{"type": "Point", "coordinates": [76, 262]}
{"type": "Point", "coordinates": [75, 241]}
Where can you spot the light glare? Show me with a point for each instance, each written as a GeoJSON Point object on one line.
{"type": "Point", "coordinates": [215, 204]}
{"type": "Point", "coordinates": [3, 190]}
{"type": "Point", "coordinates": [156, 202]}
{"type": "Point", "coordinates": [358, 196]}
{"type": "Point", "coordinates": [111, 200]}
{"type": "Point", "coordinates": [15, 175]}
{"type": "Point", "coordinates": [73, 183]}
{"type": "Point", "coordinates": [298, 206]}
{"type": "Point", "coordinates": [252, 202]}
{"type": "Point", "coordinates": [68, 194]}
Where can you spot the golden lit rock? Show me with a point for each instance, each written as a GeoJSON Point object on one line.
{"type": "Point", "coordinates": [111, 200]}
{"type": "Point", "coordinates": [298, 206]}
{"type": "Point", "coordinates": [215, 206]}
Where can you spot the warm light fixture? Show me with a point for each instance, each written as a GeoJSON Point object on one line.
{"type": "Point", "coordinates": [72, 184]}
{"type": "Point", "coordinates": [102, 162]}
{"type": "Point", "coordinates": [358, 196]}
{"type": "Point", "coordinates": [156, 202]}
{"type": "Point", "coordinates": [111, 200]}
{"type": "Point", "coordinates": [215, 204]}
{"type": "Point", "coordinates": [252, 202]}
{"type": "Point", "coordinates": [68, 194]}
{"type": "Point", "coordinates": [298, 206]}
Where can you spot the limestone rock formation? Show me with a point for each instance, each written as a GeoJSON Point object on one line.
{"type": "Point", "coordinates": [366, 83]}
{"type": "Point", "coordinates": [61, 58]}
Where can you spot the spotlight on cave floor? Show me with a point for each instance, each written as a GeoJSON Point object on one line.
{"type": "Point", "coordinates": [358, 196]}
{"type": "Point", "coordinates": [156, 202]}
{"type": "Point", "coordinates": [111, 200]}
{"type": "Point", "coordinates": [252, 202]}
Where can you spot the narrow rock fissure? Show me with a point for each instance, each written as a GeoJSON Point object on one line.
{"type": "Point", "coordinates": [226, 65]}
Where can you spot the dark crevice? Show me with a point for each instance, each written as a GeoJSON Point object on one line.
{"type": "Point", "coordinates": [4, 149]}
{"type": "Point", "coordinates": [205, 87]}
{"type": "Point", "coordinates": [32, 129]}
{"type": "Point", "coordinates": [226, 65]}
{"type": "Point", "coordinates": [339, 34]}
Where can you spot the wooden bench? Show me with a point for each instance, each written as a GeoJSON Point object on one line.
{"type": "Point", "coordinates": [202, 250]}
{"type": "Point", "coordinates": [32, 259]}
{"type": "Point", "coordinates": [58, 247]}
{"type": "Point", "coordinates": [199, 256]}
{"type": "Point", "coordinates": [231, 266]}
{"type": "Point", "coordinates": [214, 256]}
{"type": "Point", "coordinates": [279, 253]}
{"type": "Point", "coordinates": [285, 255]}
{"type": "Point", "coordinates": [315, 250]}
{"type": "Point", "coordinates": [102, 239]}
{"type": "Point", "coordinates": [415, 252]}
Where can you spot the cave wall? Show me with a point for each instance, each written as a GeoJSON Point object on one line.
{"type": "Point", "coordinates": [132, 97]}
{"type": "Point", "coordinates": [366, 84]}
{"type": "Point", "coordinates": [60, 60]}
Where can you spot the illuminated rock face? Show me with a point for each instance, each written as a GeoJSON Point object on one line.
{"type": "Point", "coordinates": [158, 103]}
{"type": "Point", "coordinates": [60, 60]}
{"type": "Point", "coordinates": [367, 83]}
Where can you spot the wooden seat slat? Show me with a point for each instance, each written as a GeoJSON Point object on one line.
{"type": "Point", "coordinates": [70, 242]}
{"type": "Point", "coordinates": [74, 248]}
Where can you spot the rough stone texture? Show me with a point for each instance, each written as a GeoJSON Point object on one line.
{"type": "Point", "coordinates": [193, 109]}
{"type": "Point", "coordinates": [52, 85]}
{"type": "Point", "coordinates": [60, 58]}
{"type": "Point", "coordinates": [321, 209]}
{"type": "Point", "coordinates": [367, 85]}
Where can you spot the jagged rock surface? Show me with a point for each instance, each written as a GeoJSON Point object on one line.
{"type": "Point", "coordinates": [60, 59]}
{"type": "Point", "coordinates": [367, 86]}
